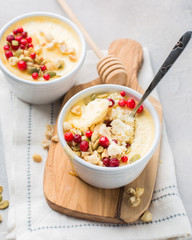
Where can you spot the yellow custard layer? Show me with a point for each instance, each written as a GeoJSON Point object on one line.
{"type": "Point", "coordinates": [139, 132]}
{"type": "Point", "coordinates": [59, 30]}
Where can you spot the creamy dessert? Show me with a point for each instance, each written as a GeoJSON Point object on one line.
{"type": "Point", "coordinates": [40, 48]}
{"type": "Point", "coordinates": [99, 130]}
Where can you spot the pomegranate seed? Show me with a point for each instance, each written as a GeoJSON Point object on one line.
{"type": "Point", "coordinates": [23, 41]}
{"type": "Point", "coordinates": [128, 145]}
{"type": "Point", "coordinates": [46, 76]}
{"type": "Point", "coordinates": [6, 47]}
{"type": "Point", "coordinates": [124, 159]}
{"type": "Point", "coordinates": [130, 103]}
{"type": "Point", "coordinates": [68, 136]}
{"type": "Point", "coordinates": [22, 46]}
{"type": "Point", "coordinates": [108, 123]}
{"type": "Point", "coordinates": [122, 102]}
{"type": "Point", "coordinates": [10, 38]}
{"type": "Point", "coordinates": [43, 68]}
{"type": "Point", "coordinates": [89, 134]}
{"type": "Point", "coordinates": [33, 55]}
{"type": "Point", "coordinates": [30, 45]}
{"type": "Point", "coordinates": [114, 140]}
{"type": "Point", "coordinates": [18, 38]}
{"type": "Point", "coordinates": [114, 162]}
{"type": "Point", "coordinates": [22, 65]}
{"type": "Point", "coordinates": [29, 39]}
{"type": "Point", "coordinates": [24, 34]}
{"type": "Point", "coordinates": [15, 47]}
{"type": "Point", "coordinates": [77, 138]}
{"type": "Point", "coordinates": [111, 102]}
{"type": "Point", "coordinates": [140, 109]}
{"type": "Point", "coordinates": [84, 145]}
{"type": "Point", "coordinates": [122, 93]}
{"type": "Point", "coordinates": [15, 32]}
{"type": "Point", "coordinates": [105, 161]}
{"type": "Point", "coordinates": [8, 54]}
{"type": "Point", "coordinates": [104, 142]}
{"type": "Point", "coordinates": [35, 75]}
{"type": "Point", "coordinates": [19, 29]}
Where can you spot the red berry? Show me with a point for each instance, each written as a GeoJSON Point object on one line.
{"type": "Point", "coordinates": [24, 34]}
{"type": "Point", "coordinates": [105, 161]}
{"type": "Point", "coordinates": [46, 76]}
{"type": "Point", "coordinates": [128, 145]}
{"type": "Point", "coordinates": [15, 47]}
{"type": "Point", "coordinates": [23, 41]}
{"type": "Point", "coordinates": [122, 102]}
{"type": "Point", "coordinates": [77, 138]}
{"type": "Point", "coordinates": [22, 65]}
{"type": "Point", "coordinates": [6, 47]}
{"type": "Point", "coordinates": [8, 54]}
{"type": "Point", "coordinates": [22, 46]}
{"type": "Point", "coordinates": [35, 75]}
{"type": "Point", "coordinates": [30, 45]}
{"type": "Point", "coordinates": [114, 140]}
{"type": "Point", "coordinates": [124, 159]}
{"type": "Point", "coordinates": [43, 68]}
{"type": "Point", "coordinates": [104, 142]}
{"type": "Point", "coordinates": [114, 162]}
{"type": "Point", "coordinates": [29, 39]}
{"type": "Point", "coordinates": [111, 102]}
{"type": "Point", "coordinates": [68, 136]}
{"type": "Point", "coordinates": [84, 146]}
{"type": "Point", "coordinates": [89, 134]}
{"type": "Point", "coordinates": [15, 32]}
{"type": "Point", "coordinates": [122, 93]}
{"type": "Point", "coordinates": [140, 109]}
{"type": "Point", "coordinates": [9, 38]}
{"type": "Point", "coordinates": [18, 38]}
{"type": "Point", "coordinates": [33, 55]}
{"type": "Point", "coordinates": [19, 29]}
{"type": "Point", "coordinates": [130, 103]}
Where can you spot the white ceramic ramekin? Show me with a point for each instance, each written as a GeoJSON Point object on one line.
{"type": "Point", "coordinates": [43, 92]}
{"type": "Point", "coordinates": [108, 177]}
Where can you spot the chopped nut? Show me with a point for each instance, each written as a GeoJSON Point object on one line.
{"type": "Point", "coordinates": [76, 148]}
{"type": "Point", "coordinates": [131, 191]}
{"type": "Point", "coordinates": [45, 144]}
{"type": "Point", "coordinates": [85, 138]}
{"type": "Point", "coordinates": [76, 110]}
{"type": "Point", "coordinates": [13, 61]}
{"type": "Point", "coordinates": [18, 53]}
{"type": "Point", "coordinates": [1, 218]}
{"type": "Point", "coordinates": [51, 46]}
{"type": "Point", "coordinates": [38, 60]}
{"type": "Point", "coordinates": [1, 197]}
{"type": "Point", "coordinates": [4, 204]}
{"type": "Point", "coordinates": [58, 63]}
{"type": "Point", "coordinates": [37, 157]}
{"type": "Point", "coordinates": [29, 64]}
{"type": "Point", "coordinates": [63, 48]}
{"type": "Point", "coordinates": [134, 202]}
{"type": "Point", "coordinates": [71, 51]}
{"type": "Point", "coordinates": [1, 189]}
{"type": "Point", "coordinates": [105, 153]}
{"type": "Point", "coordinates": [139, 192]}
{"type": "Point", "coordinates": [48, 37]}
{"type": "Point", "coordinates": [26, 53]}
{"type": "Point", "coordinates": [55, 138]}
{"type": "Point", "coordinates": [49, 66]}
{"type": "Point", "coordinates": [134, 158]}
{"type": "Point", "coordinates": [66, 126]}
{"type": "Point", "coordinates": [78, 153]}
{"type": "Point", "coordinates": [49, 131]}
{"type": "Point", "coordinates": [73, 58]}
{"type": "Point", "coordinates": [95, 145]}
{"type": "Point", "coordinates": [91, 147]}
{"type": "Point", "coordinates": [95, 136]}
{"type": "Point", "coordinates": [92, 159]}
{"type": "Point", "coordinates": [73, 173]}
{"type": "Point", "coordinates": [100, 149]}
{"type": "Point", "coordinates": [100, 163]}
{"type": "Point", "coordinates": [38, 48]}
{"type": "Point", "coordinates": [146, 217]}
{"type": "Point", "coordinates": [84, 154]}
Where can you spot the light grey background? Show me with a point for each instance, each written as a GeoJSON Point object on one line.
{"type": "Point", "coordinates": [157, 25]}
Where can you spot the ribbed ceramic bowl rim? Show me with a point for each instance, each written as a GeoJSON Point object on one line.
{"type": "Point", "coordinates": [133, 165]}
{"type": "Point", "coordinates": [63, 19]}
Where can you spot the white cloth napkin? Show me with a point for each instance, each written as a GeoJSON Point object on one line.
{"type": "Point", "coordinates": [31, 218]}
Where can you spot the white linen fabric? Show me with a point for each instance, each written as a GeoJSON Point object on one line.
{"type": "Point", "coordinates": [30, 217]}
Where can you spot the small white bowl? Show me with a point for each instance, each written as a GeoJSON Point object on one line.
{"type": "Point", "coordinates": [107, 177]}
{"type": "Point", "coordinates": [43, 92]}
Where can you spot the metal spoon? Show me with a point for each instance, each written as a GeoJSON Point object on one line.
{"type": "Point", "coordinates": [174, 54]}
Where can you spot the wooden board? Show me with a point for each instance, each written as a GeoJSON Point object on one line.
{"type": "Point", "coordinates": [70, 195]}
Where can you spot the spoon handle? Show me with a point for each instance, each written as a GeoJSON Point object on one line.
{"type": "Point", "coordinates": [174, 54]}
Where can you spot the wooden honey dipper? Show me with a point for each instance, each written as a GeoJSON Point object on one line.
{"type": "Point", "coordinates": [109, 68]}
